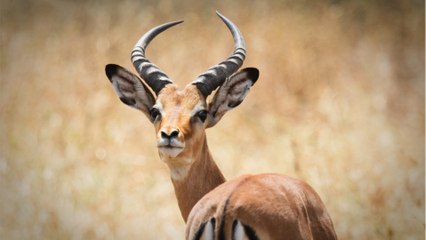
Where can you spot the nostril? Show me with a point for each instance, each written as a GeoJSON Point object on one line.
{"type": "Point", "coordinates": [164, 135]}
{"type": "Point", "coordinates": [174, 133]}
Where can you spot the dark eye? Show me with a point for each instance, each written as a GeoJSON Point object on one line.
{"type": "Point", "coordinates": [155, 114]}
{"type": "Point", "coordinates": [202, 115]}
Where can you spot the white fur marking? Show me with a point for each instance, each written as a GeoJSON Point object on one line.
{"type": "Point", "coordinates": [179, 173]}
{"type": "Point", "coordinates": [200, 106]}
{"type": "Point", "coordinates": [208, 233]}
{"type": "Point", "coordinates": [238, 233]}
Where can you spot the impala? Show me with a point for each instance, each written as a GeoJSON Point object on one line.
{"type": "Point", "coordinates": [267, 206]}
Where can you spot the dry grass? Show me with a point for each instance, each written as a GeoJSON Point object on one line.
{"type": "Point", "coordinates": [340, 103]}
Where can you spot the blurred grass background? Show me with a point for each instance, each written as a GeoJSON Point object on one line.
{"type": "Point", "coordinates": [340, 103]}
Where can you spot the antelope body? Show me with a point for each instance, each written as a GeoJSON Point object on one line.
{"type": "Point", "coordinates": [266, 206]}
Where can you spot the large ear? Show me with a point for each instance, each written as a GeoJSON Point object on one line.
{"type": "Point", "coordinates": [130, 88]}
{"type": "Point", "coordinates": [231, 93]}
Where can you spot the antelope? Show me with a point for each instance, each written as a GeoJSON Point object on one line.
{"type": "Point", "coordinates": [266, 206]}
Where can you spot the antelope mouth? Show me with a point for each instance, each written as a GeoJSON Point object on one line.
{"type": "Point", "coordinates": [170, 150]}
{"type": "Point", "coordinates": [170, 144]}
{"type": "Point", "coordinates": [169, 147]}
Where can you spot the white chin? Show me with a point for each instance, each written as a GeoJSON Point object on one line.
{"type": "Point", "coordinates": [170, 152]}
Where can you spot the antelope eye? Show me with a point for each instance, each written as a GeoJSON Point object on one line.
{"type": "Point", "coordinates": [202, 115]}
{"type": "Point", "coordinates": [155, 114]}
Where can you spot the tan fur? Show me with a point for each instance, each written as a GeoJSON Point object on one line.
{"type": "Point", "coordinates": [277, 207]}
{"type": "Point", "coordinates": [194, 173]}
{"type": "Point", "coordinates": [203, 176]}
{"type": "Point", "coordinates": [269, 206]}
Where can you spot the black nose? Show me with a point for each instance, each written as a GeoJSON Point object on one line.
{"type": "Point", "coordinates": [173, 134]}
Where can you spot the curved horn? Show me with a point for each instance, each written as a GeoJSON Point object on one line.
{"type": "Point", "coordinates": [216, 75]}
{"type": "Point", "coordinates": [152, 75]}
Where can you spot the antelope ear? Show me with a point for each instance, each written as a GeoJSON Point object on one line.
{"type": "Point", "coordinates": [231, 93]}
{"type": "Point", "coordinates": [130, 89]}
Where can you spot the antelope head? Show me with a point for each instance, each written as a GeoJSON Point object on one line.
{"type": "Point", "coordinates": [180, 116]}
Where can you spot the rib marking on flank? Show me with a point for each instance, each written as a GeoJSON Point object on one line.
{"type": "Point", "coordinates": [222, 220]}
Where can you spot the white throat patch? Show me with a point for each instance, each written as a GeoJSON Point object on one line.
{"type": "Point", "coordinates": [179, 167]}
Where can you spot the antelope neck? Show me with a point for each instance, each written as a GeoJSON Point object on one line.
{"type": "Point", "coordinates": [202, 176]}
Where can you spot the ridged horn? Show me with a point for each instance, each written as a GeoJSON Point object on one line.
{"type": "Point", "coordinates": [148, 71]}
{"type": "Point", "coordinates": [216, 75]}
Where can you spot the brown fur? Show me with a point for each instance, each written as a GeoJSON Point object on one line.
{"type": "Point", "coordinates": [271, 206]}
{"type": "Point", "coordinates": [277, 207]}
{"type": "Point", "coordinates": [202, 175]}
